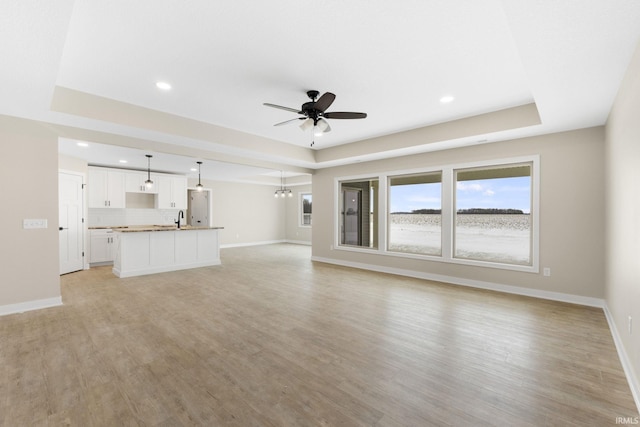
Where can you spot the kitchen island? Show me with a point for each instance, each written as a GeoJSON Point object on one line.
{"type": "Point", "coordinates": [158, 249]}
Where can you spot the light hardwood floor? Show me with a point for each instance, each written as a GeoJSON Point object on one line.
{"type": "Point", "coordinates": [270, 338]}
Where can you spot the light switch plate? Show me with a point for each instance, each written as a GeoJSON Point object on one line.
{"type": "Point", "coordinates": [34, 223]}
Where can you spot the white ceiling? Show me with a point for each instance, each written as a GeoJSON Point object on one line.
{"type": "Point", "coordinates": [89, 67]}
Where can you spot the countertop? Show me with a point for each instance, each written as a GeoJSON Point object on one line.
{"type": "Point", "coordinates": [141, 228]}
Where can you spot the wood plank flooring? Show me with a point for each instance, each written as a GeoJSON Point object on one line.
{"type": "Point", "coordinates": [270, 338]}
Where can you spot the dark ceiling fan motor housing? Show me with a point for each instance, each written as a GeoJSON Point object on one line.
{"type": "Point", "coordinates": [314, 110]}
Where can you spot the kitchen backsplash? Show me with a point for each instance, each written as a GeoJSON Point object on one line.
{"type": "Point", "coordinates": [119, 217]}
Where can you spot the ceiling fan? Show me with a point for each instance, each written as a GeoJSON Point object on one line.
{"type": "Point", "coordinates": [314, 113]}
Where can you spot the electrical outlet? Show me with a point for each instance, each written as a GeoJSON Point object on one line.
{"type": "Point", "coordinates": [34, 223]}
{"type": "Point", "coordinates": [546, 271]}
{"type": "Point", "coordinates": [630, 325]}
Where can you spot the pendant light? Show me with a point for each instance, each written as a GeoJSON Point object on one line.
{"type": "Point", "coordinates": [148, 183]}
{"type": "Point", "coordinates": [199, 186]}
{"type": "Point", "coordinates": [282, 192]}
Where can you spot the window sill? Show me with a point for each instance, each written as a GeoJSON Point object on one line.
{"type": "Point", "coordinates": [434, 258]}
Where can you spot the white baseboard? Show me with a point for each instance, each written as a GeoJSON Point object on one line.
{"type": "Point", "coordinates": [536, 293]}
{"type": "Point", "coordinates": [624, 359]}
{"type": "Point", "coordinates": [240, 245]}
{"type": "Point", "coordinates": [298, 242]}
{"type": "Point", "coordinates": [30, 305]}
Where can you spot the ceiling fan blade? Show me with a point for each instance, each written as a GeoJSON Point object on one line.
{"type": "Point", "coordinates": [293, 110]}
{"type": "Point", "coordinates": [289, 121]}
{"type": "Point", "coordinates": [324, 101]}
{"type": "Point", "coordinates": [344, 115]}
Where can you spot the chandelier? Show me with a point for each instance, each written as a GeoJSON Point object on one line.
{"type": "Point", "coordinates": [283, 191]}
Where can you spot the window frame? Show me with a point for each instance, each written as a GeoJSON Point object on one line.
{"type": "Point", "coordinates": [447, 212]}
{"type": "Point", "coordinates": [388, 212]}
{"type": "Point", "coordinates": [301, 213]}
{"type": "Point", "coordinates": [480, 169]}
{"type": "Point", "coordinates": [381, 235]}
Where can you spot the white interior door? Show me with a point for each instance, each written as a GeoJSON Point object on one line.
{"type": "Point", "coordinates": [70, 201]}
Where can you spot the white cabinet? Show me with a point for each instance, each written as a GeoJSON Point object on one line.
{"type": "Point", "coordinates": [106, 188]}
{"type": "Point", "coordinates": [148, 252]}
{"type": "Point", "coordinates": [172, 192]}
{"type": "Point", "coordinates": [134, 183]}
{"type": "Point", "coordinates": [102, 246]}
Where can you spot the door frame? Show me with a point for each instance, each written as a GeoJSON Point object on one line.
{"type": "Point", "coordinates": [209, 208]}
{"type": "Point", "coordinates": [359, 214]}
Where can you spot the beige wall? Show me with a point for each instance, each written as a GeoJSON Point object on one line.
{"type": "Point", "coordinates": [623, 216]}
{"type": "Point", "coordinates": [571, 217]}
{"type": "Point", "coordinates": [295, 233]}
{"type": "Point", "coordinates": [248, 212]}
{"type": "Point", "coordinates": [72, 164]}
{"type": "Point", "coordinates": [29, 180]}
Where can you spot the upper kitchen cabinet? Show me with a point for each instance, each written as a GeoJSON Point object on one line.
{"type": "Point", "coordinates": [106, 188]}
{"type": "Point", "coordinates": [134, 183]}
{"type": "Point", "coordinates": [172, 192]}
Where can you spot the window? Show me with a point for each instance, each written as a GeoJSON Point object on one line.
{"type": "Point", "coordinates": [358, 210]}
{"type": "Point", "coordinates": [305, 209]}
{"type": "Point", "coordinates": [480, 213]}
{"type": "Point", "coordinates": [493, 214]}
{"type": "Point", "coordinates": [415, 214]}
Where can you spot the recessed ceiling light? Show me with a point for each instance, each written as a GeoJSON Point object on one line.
{"type": "Point", "coordinates": [82, 144]}
{"type": "Point", "coordinates": [163, 85]}
{"type": "Point", "coordinates": [446, 99]}
{"type": "Point", "coordinates": [123, 161]}
{"type": "Point", "coordinates": [194, 170]}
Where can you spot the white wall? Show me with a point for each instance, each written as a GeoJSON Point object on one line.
{"type": "Point", "coordinates": [29, 180]}
{"type": "Point", "coordinates": [571, 217]}
{"type": "Point", "coordinates": [623, 218]}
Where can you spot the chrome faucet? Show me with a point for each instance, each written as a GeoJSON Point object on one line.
{"type": "Point", "coordinates": [180, 214]}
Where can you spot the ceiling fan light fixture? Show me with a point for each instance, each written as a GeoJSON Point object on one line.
{"type": "Point", "coordinates": [321, 127]}
{"type": "Point", "coordinates": [306, 125]}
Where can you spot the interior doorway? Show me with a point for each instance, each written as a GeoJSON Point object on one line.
{"type": "Point", "coordinates": [199, 208]}
{"type": "Point", "coordinates": [70, 226]}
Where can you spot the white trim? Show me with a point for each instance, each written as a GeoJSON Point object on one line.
{"type": "Point", "coordinates": [624, 358]}
{"type": "Point", "coordinates": [437, 258]}
{"type": "Point", "coordinates": [239, 245]}
{"type": "Point", "coordinates": [448, 212]}
{"type": "Point", "coordinates": [298, 242]}
{"type": "Point", "coordinates": [21, 307]}
{"type": "Point", "coordinates": [301, 195]}
{"type": "Point", "coordinates": [536, 293]}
